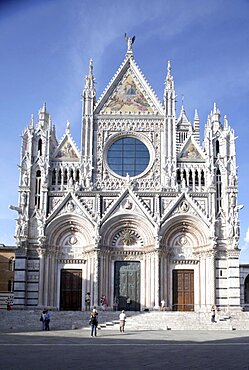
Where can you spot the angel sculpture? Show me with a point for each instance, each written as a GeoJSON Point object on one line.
{"type": "Point", "coordinates": [130, 41]}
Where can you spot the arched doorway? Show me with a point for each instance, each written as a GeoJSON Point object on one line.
{"type": "Point", "coordinates": [246, 290]}
{"type": "Point", "coordinates": [127, 285]}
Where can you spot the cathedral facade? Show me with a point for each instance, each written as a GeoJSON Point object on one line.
{"type": "Point", "coordinates": [142, 210]}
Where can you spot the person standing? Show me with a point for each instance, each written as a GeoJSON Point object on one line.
{"type": "Point", "coordinates": [45, 319]}
{"type": "Point", "coordinates": [94, 323]}
{"type": "Point", "coordinates": [162, 305]}
{"type": "Point", "coordinates": [213, 312]}
{"type": "Point", "coordinates": [122, 318]}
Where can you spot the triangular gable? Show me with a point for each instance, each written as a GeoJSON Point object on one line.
{"type": "Point", "coordinates": [127, 203]}
{"type": "Point", "coordinates": [191, 152]}
{"type": "Point", "coordinates": [70, 204]}
{"type": "Point", "coordinates": [184, 205]}
{"type": "Point", "coordinates": [67, 149]}
{"type": "Point", "coordinates": [183, 119]}
{"type": "Point", "coordinates": [128, 92]}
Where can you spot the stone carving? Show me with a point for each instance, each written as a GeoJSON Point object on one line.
{"type": "Point", "coordinates": [182, 248]}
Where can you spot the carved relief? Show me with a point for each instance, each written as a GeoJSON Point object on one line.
{"type": "Point", "coordinates": [126, 238]}
{"type": "Point", "coordinates": [182, 248]}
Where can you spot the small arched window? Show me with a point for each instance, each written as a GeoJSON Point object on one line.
{"type": "Point", "coordinates": [10, 285]}
{"type": "Point", "coordinates": [77, 176]}
{"type": "Point", "coordinates": [38, 189]}
{"type": "Point", "coordinates": [40, 146]}
{"type": "Point", "coordinates": [59, 177]}
{"type": "Point", "coordinates": [11, 264]}
{"type": "Point", "coordinates": [185, 176]}
{"type": "Point", "coordinates": [202, 178]}
{"type": "Point", "coordinates": [218, 190]}
{"type": "Point", "coordinates": [217, 148]}
{"type": "Point", "coordinates": [190, 179]}
{"type": "Point", "coordinates": [54, 177]}
{"type": "Point", "coordinates": [65, 177]}
{"type": "Point", "coordinates": [196, 178]}
{"type": "Point", "coordinates": [178, 176]}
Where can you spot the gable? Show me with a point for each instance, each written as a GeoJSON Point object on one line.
{"type": "Point", "coordinates": [128, 204]}
{"type": "Point", "coordinates": [128, 92]}
{"type": "Point", "coordinates": [184, 205]}
{"type": "Point", "coordinates": [191, 152]}
{"type": "Point", "coordinates": [66, 150]}
{"type": "Point", "coordinates": [127, 98]}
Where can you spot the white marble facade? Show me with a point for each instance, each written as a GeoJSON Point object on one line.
{"type": "Point", "coordinates": [170, 210]}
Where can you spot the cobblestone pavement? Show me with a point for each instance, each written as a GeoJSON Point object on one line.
{"type": "Point", "coordinates": [111, 350]}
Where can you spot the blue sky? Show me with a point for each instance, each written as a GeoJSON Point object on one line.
{"type": "Point", "coordinates": [45, 47]}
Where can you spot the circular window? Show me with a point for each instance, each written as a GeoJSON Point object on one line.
{"type": "Point", "coordinates": [128, 156]}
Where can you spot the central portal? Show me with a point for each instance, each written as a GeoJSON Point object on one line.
{"type": "Point", "coordinates": [183, 290]}
{"type": "Point", "coordinates": [127, 285]}
{"type": "Point", "coordinates": [71, 290]}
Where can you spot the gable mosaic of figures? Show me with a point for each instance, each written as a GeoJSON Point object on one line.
{"type": "Point", "coordinates": [141, 211]}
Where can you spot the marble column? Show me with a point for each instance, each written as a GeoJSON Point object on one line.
{"type": "Point", "coordinates": [41, 252]}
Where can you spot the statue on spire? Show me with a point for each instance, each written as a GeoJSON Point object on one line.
{"type": "Point", "coordinates": [130, 41]}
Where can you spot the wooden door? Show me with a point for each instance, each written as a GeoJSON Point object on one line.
{"type": "Point", "coordinates": [71, 290]}
{"type": "Point", "coordinates": [183, 290]}
{"type": "Point", "coordinates": [127, 284]}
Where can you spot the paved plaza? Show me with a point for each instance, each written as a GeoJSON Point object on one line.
{"type": "Point", "coordinates": [110, 350]}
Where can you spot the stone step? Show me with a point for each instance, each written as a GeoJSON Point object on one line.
{"type": "Point", "coordinates": [28, 320]}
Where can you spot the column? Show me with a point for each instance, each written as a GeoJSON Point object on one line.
{"type": "Point", "coordinates": [41, 253]}
{"type": "Point", "coordinates": [96, 278]}
{"type": "Point", "coordinates": [156, 276]}
{"type": "Point", "coordinates": [46, 278]}
{"type": "Point", "coordinates": [52, 279]}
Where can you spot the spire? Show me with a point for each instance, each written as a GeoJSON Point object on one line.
{"type": "Point", "coordinates": [43, 117]}
{"type": "Point", "coordinates": [44, 108]}
{"type": "Point", "coordinates": [31, 123]}
{"type": "Point", "coordinates": [89, 80]}
{"type": "Point", "coordinates": [169, 82]}
{"type": "Point", "coordinates": [215, 118]}
{"type": "Point", "coordinates": [169, 92]}
{"type": "Point", "coordinates": [197, 127]}
{"type": "Point", "coordinates": [130, 41]}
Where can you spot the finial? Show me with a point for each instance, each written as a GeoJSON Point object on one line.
{"type": "Point", "coordinates": [196, 118]}
{"type": "Point", "coordinates": [182, 110]}
{"type": "Point", "coordinates": [31, 124]}
{"type": "Point", "coordinates": [68, 127]}
{"type": "Point", "coordinates": [215, 108]}
{"type": "Point", "coordinates": [90, 67]}
{"type": "Point", "coordinates": [169, 68]}
{"type": "Point", "coordinates": [130, 41]}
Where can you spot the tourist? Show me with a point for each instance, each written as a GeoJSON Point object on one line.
{"type": "Point", "coordinates": [162, 305]}
{"type": "Point", "coordinates": [103, 302]}
{"type": "Point", "coordinates": [45, 319]}
{"type": "Point", "coordinates": [94, 322]}
{"type": "Point", "coordinates": [122, 319]}
{"type": "Point", "coordinates": [87, 301]}
{"type": "Point", "coordinates": [213, 311]}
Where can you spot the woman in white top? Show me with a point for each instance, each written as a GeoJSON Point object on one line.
{"type": "Point", "coordinates": [122, 318]}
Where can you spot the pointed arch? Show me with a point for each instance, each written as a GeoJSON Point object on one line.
{"type": "Point", "coordinates": [140, 230]}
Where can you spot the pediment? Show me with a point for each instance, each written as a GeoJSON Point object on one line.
{"type": "Point", "coordinates": [66, 150]}
{"type": "Point", "coordinates": [70, 205]}
{"type": "Point", "coordinates": [191, 152]}
{"type": "Point", "coordinates": [129, 93]}
{"type": "Point", "coordinates": [184, 205]}
{"type": "Point", "coordinates": [128, 204]}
